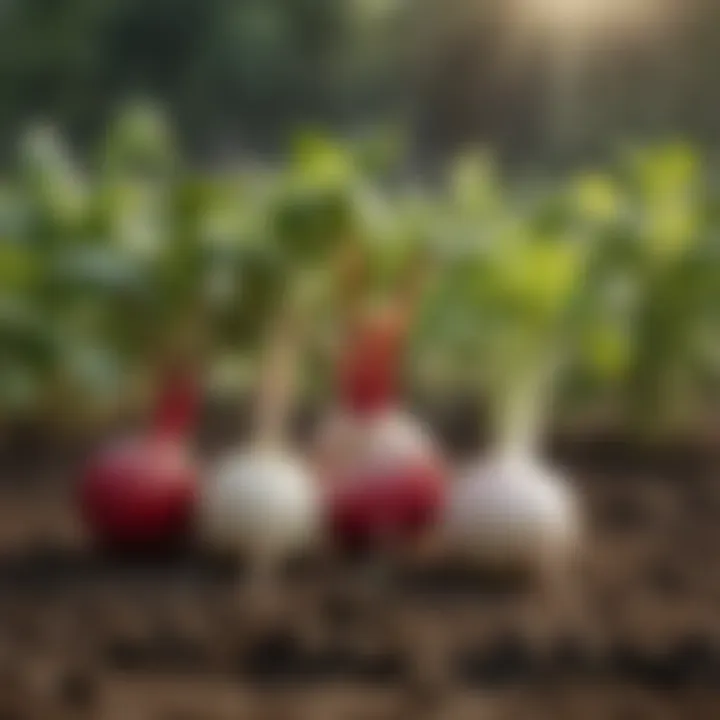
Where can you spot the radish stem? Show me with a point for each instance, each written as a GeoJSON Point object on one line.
{"type": "Point", "coordinates": [177, 405]}
{"type": "Point", "coordinates": [178, 401]}
{"type": "Point", "coordinates": [519, 408]}
{"type": "Point", "coordinates": [278, 376]}
{"type": "Point", "coordinates": [284, 343]}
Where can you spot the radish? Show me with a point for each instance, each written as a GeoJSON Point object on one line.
{"type": "Point", "coordinates": [383, 473]}
{"type": "Point", "coordinates": [261, 503]}
{"type": "Point", "coordinates": [510, 510]}
{"type": "Point", "coordinates": [140, 491]}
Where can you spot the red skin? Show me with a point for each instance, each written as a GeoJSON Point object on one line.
{"type": "Point", "coordinates": [370, 369]}
{"type": "Point", "coordinates": [377, 505]}
{"type": "Point", "coordinates": [141, 493]}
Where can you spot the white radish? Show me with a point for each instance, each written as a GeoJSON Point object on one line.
{"type": "Point", "coordinates": [511, 512]}
{"type": "Point", "coordinates": [261, 502]}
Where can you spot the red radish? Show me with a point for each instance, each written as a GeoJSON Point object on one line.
{"type": "Point", "coordinates": [141, 491]}
{"type": "Point", "coordinates": [391, 489]}
{"type": "Point", "coordinates": [384, 475]}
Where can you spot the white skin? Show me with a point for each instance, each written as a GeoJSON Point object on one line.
{"type": "Point", "coordinates": [264, 506]}
{"type": "Point", "coordinates": [512, 511]}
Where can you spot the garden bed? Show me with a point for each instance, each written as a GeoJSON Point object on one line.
{"type": "Point", "coordinates": [83, 635]}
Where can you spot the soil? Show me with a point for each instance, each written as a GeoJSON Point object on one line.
{"type": "Point", "coordinates": [634, 634]}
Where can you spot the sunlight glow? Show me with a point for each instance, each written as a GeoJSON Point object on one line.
{"type": "Point", "coordinates": [589, 16]}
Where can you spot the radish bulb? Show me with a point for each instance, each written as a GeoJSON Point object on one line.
{"type": "Point", "coordinates": [140, 491]}
{"type": "Point", "coordinates": [260, 502]}
{"type": "Point", "coordinates": [512, 512]}
{"type": "Point", "coordinates": [382, 472]}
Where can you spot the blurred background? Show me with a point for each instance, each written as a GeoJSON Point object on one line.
{"type": "Point", "coordinates": [171, 169]}
{"type": "Point", "coordinates": [150, 151]}
{"type": "Point", "coordinates": [531, 77]}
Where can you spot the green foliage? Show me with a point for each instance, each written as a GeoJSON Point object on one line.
{"type": "Point", "coordinates": [604, 288]}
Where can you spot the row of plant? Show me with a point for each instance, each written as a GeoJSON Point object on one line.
{"type": "Point", "coordinates": [596, 295]}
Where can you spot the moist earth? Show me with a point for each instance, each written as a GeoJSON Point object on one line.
{"type": "Point", "coordinates": [633, 633]}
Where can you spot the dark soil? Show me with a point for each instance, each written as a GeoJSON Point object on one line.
{"type": "Point", "coordinates": [635, 634]}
